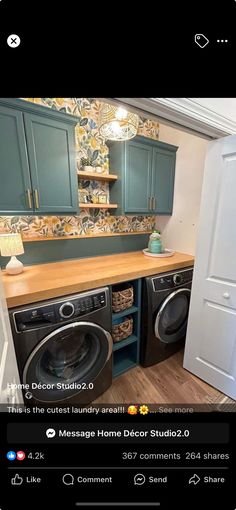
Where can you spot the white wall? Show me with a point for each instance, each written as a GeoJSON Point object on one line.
{"type": "Point", "coordinates": [179, 230]}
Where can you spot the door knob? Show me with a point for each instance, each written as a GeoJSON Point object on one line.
{"type": "Point", "coordinates": [226, 295]}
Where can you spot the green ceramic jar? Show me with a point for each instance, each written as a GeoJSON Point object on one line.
{"type": "Point", "coordinates": [155, 246]}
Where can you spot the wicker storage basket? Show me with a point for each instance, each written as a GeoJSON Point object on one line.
{"type": "Point", "coordinates": [123, 329]}
{"type": "Point", "coordinates": [122, 297]}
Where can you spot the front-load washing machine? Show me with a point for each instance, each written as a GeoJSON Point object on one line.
{"type": "Point", "coordinates": [64, 347]}
{"type": "Point", "coordinates": [165, 307]}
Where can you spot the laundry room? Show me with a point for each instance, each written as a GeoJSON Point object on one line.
{"type": "Point", "coordinates": [117, 251]}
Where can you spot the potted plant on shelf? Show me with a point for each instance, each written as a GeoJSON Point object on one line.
{"type": "Point", "coordinates": [86, 164]}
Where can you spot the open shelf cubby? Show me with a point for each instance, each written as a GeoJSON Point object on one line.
{"type": "Point", "coordinates": [124, 359]}
{"type": "Point", "coordinates": [128, 311]}
{"type": "Point", "coordinates": [126, 352]}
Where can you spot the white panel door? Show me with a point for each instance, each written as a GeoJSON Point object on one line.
{"type": "Point", "coordinates": [9, 376]}
{"type": "Point", "coordinates": [210, 351]}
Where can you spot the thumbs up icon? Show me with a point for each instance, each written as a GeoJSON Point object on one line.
{"type": "Point", "coordinates": [17, 480]}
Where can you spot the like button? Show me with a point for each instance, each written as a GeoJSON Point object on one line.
{"type": "Point", "coordinates": [17, 480]}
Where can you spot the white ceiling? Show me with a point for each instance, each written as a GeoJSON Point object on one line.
{"type": "Point", "coordinates": [207, 117]}
{"type": "Point", "coordinates": [225, 106]}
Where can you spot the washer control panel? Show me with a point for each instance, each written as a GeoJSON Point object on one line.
{"type": "Point", "coordinates": [172, 280]}
{"type": "Point", "coordinates": [80, 306]}
{"type": "Point", "coordinates": [59, 311]}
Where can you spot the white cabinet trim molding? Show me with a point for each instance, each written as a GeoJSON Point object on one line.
{"type": "Point", "coordinates": [185, 112]}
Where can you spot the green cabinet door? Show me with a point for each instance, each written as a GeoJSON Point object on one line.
{"type": "Point", "coordinates": [50, 145]}
{"type": "Point", "coordinates": [163, 175]}
{"type": "Point", "coordinates": [15, 183]}
{"type": "Point", "coordinates": [138, 169]}
{"type": "Point", "coordinates": [146, 172]}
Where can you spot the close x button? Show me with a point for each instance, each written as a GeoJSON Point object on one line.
{"type": "Point", "coordinates": [13, 40]}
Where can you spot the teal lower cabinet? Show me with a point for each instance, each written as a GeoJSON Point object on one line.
{"type": "Point", "coordinates": [126, 352]}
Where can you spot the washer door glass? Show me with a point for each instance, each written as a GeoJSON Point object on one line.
{"type": "Point", "coordinates": [171, 320]}
{"type": "Point", "coordinates": [71, 355]}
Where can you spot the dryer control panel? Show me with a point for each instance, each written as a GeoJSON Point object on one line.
{"type": "Point", "coordinates": [172, 280]}
{"type": "Point", "coordinates": [56, 312]}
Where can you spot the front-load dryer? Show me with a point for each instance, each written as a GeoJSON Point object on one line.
{"type": "Point", "coordinates": [165, 308]}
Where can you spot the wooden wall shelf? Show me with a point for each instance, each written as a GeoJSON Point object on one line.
{"type": "Point", "coordinates": [89, 235]}
{"type": "Point", "coordinates": [97, 206]}
{"type": "Point", "coordinates": [97, 177]}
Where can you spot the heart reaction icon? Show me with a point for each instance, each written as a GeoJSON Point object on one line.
{"type": "Point", "coordinates": [20, 455]}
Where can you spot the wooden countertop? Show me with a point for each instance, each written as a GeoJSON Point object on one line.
{"type": "Point", "coordinates": [44, 281]}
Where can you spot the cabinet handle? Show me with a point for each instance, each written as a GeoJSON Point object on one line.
{"type": "Point", "coordinates": [28, 193]}
{"type": "Point", "coordinates": [36, 197]}
{"type": "Point", "coordinates": [150, 203]}
{"type": "Point", "coordinates": [153, 203]}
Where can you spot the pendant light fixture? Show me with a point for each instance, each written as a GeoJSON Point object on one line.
{"type": "Point", "coordinates": [116, 123]}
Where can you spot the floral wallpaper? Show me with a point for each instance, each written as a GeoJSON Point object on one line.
{"type": "Point", "coordinates": [84, 223]}
{"type": "Point", "coordinates": [89, 144]}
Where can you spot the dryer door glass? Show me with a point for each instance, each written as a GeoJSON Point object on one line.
{"type": "Point", "coordinates": [67, 360]}
{"type": "Point", "coordinates": [171, 320]}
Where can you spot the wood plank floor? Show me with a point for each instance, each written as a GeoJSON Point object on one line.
{"type": "Point", "coordinates": [166, 382]}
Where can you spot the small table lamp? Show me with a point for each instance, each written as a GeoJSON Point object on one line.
{"type": "Point", "coordinates": [11, 245]}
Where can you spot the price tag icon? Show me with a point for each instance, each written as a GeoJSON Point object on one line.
{"type": "Point", "coordinates": [201, 40]}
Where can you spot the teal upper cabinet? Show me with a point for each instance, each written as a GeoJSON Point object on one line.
{"type": "Point", "coordinates": [163, 177]}
{"type": "Point", "coordinates": [53, 168]}
{"type": "Point", "coordinates": [146, 172]}
{"type": "Point", "coordinates": [37, 160]}
{"type": "Point", "coordinates": [14, 168]}
{"type": "Point", "coordinates": [137, 176]}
